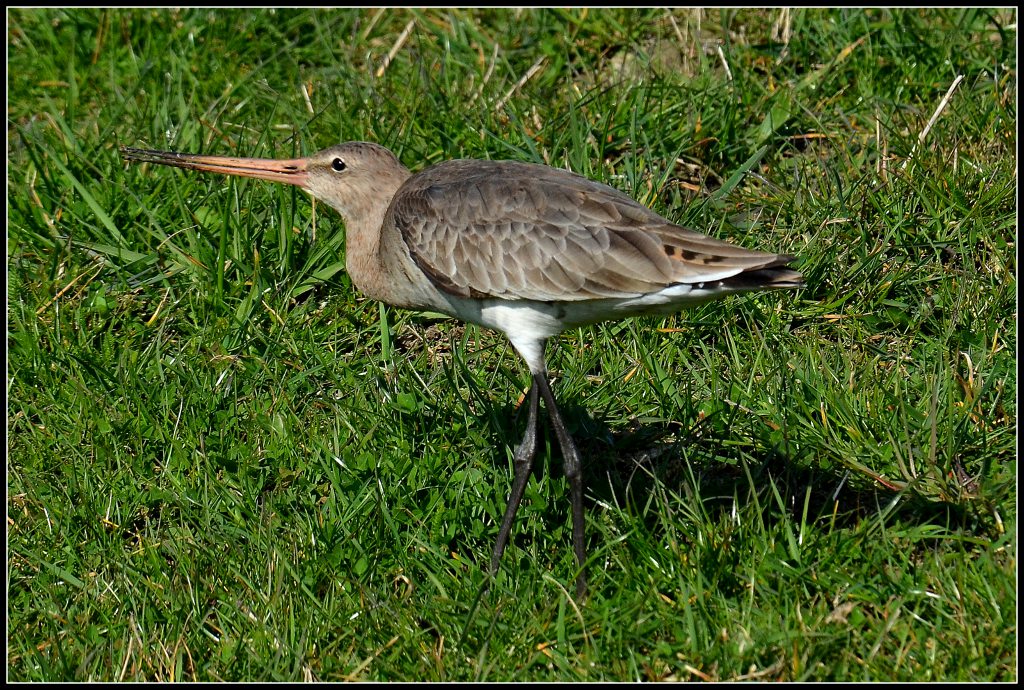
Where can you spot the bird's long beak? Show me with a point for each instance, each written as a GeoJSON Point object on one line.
{"type": "Point", "coordinates": [294, 171]}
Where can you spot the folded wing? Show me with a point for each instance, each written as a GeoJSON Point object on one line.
{"type": "Point", "coordinates": [520, 231]}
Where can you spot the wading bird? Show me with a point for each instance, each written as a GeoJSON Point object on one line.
{"type": "Point", "coordinates": [525, 249]}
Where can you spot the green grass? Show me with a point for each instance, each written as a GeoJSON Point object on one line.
{"type": "Point", "coordinates": [226, 464]}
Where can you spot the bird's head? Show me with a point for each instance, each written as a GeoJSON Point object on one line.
{"type": "Point", "coordinates": [355, 178]}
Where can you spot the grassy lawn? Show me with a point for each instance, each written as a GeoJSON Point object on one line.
{"type": "Point", "coordinates": [224, 463]}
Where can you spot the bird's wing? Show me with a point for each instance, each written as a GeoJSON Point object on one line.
{"type": "Point", "coordinates": [521, 231]}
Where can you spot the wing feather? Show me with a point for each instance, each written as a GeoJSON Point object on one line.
{"type": "Point", "coordinates": [520, 231]}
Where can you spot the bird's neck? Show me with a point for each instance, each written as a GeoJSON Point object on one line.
{"type": "Point", "coordinates": [363, 249]}
{"type": "Point", "coordinates": [377, 259]}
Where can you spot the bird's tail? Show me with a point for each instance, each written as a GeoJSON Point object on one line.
{"type": "Point", "coordinates": [774, 276]}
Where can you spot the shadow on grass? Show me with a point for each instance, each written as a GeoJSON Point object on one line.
{"type": "Point", "coordinates": [702, 457]}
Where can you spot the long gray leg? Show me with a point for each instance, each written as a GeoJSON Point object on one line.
{"type": "Point", "coordinates": [523, 463]}
{"type": "Point", "coordinates": [571, 458]}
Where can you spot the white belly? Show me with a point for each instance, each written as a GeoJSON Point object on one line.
{"type": "Point", "coordinates": [529, 323]}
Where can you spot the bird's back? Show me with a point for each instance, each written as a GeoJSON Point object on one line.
{"type": "Point", "coordinates": [521, 231]}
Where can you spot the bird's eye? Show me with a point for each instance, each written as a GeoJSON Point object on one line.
{"type": "Point", "coordinates": [338, 164]}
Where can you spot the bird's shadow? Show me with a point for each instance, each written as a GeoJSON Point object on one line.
{"type": "Point", "coordinates": [622, 467]}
